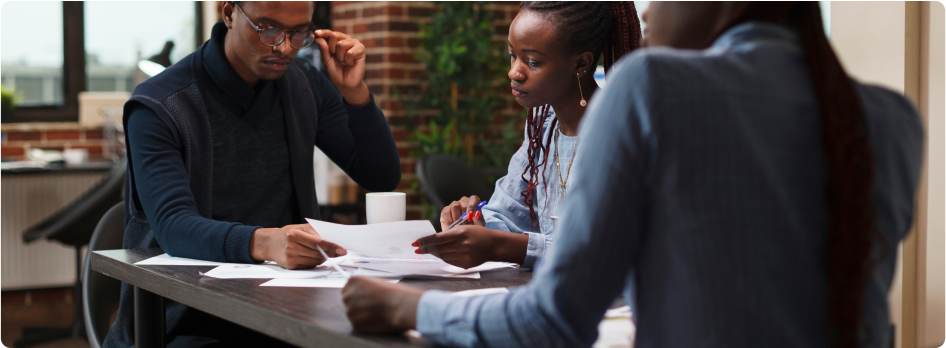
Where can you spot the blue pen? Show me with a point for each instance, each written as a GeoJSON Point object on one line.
{"type": "Point", "coordinates": [464, 216]}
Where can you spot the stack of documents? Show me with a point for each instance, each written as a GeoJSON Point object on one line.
{"type": "Point", "coordinates": [378, 250]}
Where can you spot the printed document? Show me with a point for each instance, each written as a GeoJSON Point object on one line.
{"type": "Point", "coordinates": [388, 240]}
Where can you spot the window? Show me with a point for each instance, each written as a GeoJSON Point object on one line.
{"type": "Point", "coordinates": [119, 34]}
{"type": "Point", "coordinates": [85, 46]}
{"type": "Point", "coordinates": [32, 64]}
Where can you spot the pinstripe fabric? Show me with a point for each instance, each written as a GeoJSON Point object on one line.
{"type": "Point", "coordinates": [702, 184]}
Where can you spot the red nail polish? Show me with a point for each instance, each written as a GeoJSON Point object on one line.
{"type": "Point", "coordinates": [470, 217]}
{"type": "Point", "coordinates": [478, 215]}
{"type": "Point", "coordinates": [415, 244]}
{"type": "Point", "coordinates": [417, 251]}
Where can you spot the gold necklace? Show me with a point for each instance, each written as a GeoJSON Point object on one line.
{"type": "Point", "coordinates": [568, 170]}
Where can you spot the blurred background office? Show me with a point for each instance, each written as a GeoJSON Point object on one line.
{"type": "Point", "coordinates": [437, 70]}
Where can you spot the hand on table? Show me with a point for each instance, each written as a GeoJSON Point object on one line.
{"type": "Point", "coordinates": [344, 61]}
{"type": "Point", "coordinates": [375, 306]}
{"type": "Point", "coordinates": [292, 247]}
{"type": "Point", "coordinates": [469, 246]}
{"type": "Point", "coordinates": [456, 209]}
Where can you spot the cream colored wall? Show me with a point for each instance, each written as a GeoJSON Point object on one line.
{"type": "Point", "coordinates": [931, 309]}
{"type": "Point", "coordinates": [899, 45]}
{"type": "Point", "coordinates": [211, 17]}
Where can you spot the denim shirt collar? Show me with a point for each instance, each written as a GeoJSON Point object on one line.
{"type": "Point", "coordinates": [756, 31]}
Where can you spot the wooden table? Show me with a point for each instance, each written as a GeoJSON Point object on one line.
{"type": "Point", "coordinates": [308, 317]}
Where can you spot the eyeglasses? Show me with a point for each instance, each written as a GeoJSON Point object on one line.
{"type": "Point", "coordinates": [271, 36]}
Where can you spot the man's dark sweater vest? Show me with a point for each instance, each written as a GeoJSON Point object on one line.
{"type": "Point", "coordinates": [178, 97]}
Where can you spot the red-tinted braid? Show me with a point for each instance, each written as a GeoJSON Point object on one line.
{"type": "Point", "coordinates": [851, 234]}
{"type": "Point", "coordinates": [608, 28]}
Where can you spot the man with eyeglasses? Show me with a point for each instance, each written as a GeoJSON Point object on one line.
{"type": "Point", "coordinates": [220, 150]}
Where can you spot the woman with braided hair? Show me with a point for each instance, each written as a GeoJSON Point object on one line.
{"type": "Point", "coordinates": [554, 48]}
{"type": "Point", "coordinates": [750, 190]}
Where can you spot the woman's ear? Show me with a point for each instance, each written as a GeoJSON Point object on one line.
{"type": "Point", "coordinates": [227, 14]}
{"type": "Point", "coordinates": [583, 64]}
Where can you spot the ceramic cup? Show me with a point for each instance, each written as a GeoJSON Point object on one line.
{"type": "Point", "coordinates": [385, 206]}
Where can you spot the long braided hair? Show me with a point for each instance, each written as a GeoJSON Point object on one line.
{"type": "Point", "coordinates": [611, 29]}
{"type": "Point", "coordinates": [851, 233]}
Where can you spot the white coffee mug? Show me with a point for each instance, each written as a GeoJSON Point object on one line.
{"type": "Point", "coordinates": [385, 206]}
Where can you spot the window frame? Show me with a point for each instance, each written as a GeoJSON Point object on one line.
{"type": "Point", "coordinates": [73, 68]}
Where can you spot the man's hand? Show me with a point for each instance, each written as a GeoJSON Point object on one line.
{"type": "Point", "coordinates": [344, 60]}
{"type": "Point", "coordinates": [456, 209]}
{"type": "Point", "coordinates": [292, 247]}
{"type": "Point", "coordinates": [469, 246]}
{"type": "Point", "coordinates": [376, 306]}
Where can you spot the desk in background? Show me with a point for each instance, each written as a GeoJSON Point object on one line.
{"type": "Point", "coordinates": [30, 195]}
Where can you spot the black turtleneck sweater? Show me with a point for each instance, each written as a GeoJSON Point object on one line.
{"type": "Point", "coordinates": [252, 184]}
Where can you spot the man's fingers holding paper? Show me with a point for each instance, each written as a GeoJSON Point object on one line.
{"type": "Point", "coordinates": [310, 239]}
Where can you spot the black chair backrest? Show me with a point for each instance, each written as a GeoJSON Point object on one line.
{"type": "Point", "coordinates": [446, 178]}
{"type": "Point", "coordinates": [100, 293]}
{"type": "Point", "coordinates": [73, 225]}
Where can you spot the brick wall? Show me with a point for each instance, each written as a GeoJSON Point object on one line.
{"type": "Point", "coordinates": [20, 138]}
{"type": "Point", "coordinates": [34, 308]}
{"type": "Point", "coordinates": [388, 30]}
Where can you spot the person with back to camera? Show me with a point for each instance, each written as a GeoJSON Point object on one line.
{"type": "Point", "coordinates": [748, 190]}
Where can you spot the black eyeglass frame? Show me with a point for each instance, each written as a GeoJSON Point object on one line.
{"type": "Point", "coordinates": [283, 34]}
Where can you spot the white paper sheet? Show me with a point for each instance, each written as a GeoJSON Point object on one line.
{"type": "Point", "coordinates": [478, 292]}
{"type": "Point", "coordinates": [435, 267]}
{"type": "Point", "coordinates": [383, 240]}
{"type": "Point", "coordinates": [248, 271]}
{"type": "Point", "coordinates": [168, 260]}
{"type": "Point", "coordinates": [333, 280]}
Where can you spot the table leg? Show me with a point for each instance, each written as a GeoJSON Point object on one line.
{"type": "Point", "coordinates": [149, 319]}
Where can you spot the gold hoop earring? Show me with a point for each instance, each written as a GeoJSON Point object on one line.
{"type": "Point", "coordinates": [582, 102]}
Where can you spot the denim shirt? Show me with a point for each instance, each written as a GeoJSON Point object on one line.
{"type": "Point", "coordinates": [699, 183]}
{"type": "Point", "coordinates": [506, 210]}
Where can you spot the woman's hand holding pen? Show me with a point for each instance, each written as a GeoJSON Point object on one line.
{"type": "Point", "coordinates": [456, 209]}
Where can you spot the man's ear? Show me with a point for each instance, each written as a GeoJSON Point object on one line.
{"type": "Point", "coordinates": [227, 13]}
{"type": "Point", "coordinates": [583, 64]}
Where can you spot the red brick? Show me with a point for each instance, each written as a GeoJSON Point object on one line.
{"type": "Point", "coordinates": [394, 11]}
{"type": "Point", "coordinates": [377, 89]}
{"type": "Point", "coordinates": [502, 29]}
{"type": "Point", "coordinates": [374, 58]}
{"type": "Point", "coordinates": [94, 134]}
{"type": "Point", "coordinates": [22, 136]}
{"type": "Point", "coordinates": [407, 167]}
{"type": "Point", "coordinates": [402, 26]}
{"type": "Point", "coordinates": [400, 57]}
{"type": "Point", "coordinates": [370, 12]}
{"type": "Point", "coordinates": [393, 42]}
{"type": "Point", "coordinates": [403, 151]}
{"type": "Point", "coordinates": [51, 295]}
{"type": "Point", "coordinates": [344, 15]}
{"type": "Point", "coordinates": [59, 135]}
{"type": "Point", "coordinates": [359, 28]}
{"type": "Point", "coordinates": [13, 298]}
{"type": "Point", "coordinates": [12, 151]}
{"type": "Point", "coordinates": [93, 149]}
{"type": "Point", "coordinates": [413, 198]}
{"type": "Point", "coordinates": [419, 11]}
{"type": "Point", "coordinates": [371, 43]}
{"type": "Point", "coordinates": [412, 215]}
{"type": "Point", "coordinates": [401, 135]}
{"type": "Point", "coordinates": [413, 43]}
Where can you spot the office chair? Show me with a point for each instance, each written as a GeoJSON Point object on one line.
{"type": "Point", "coordinates": [446, 178]}
{"type": "Point", "coordinates": [100, 293]}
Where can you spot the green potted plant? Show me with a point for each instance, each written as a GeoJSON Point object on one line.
{"type": "Point", "coordinates": [462, 93]}
{"type": "Point", "coordinates": [8, 101]}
